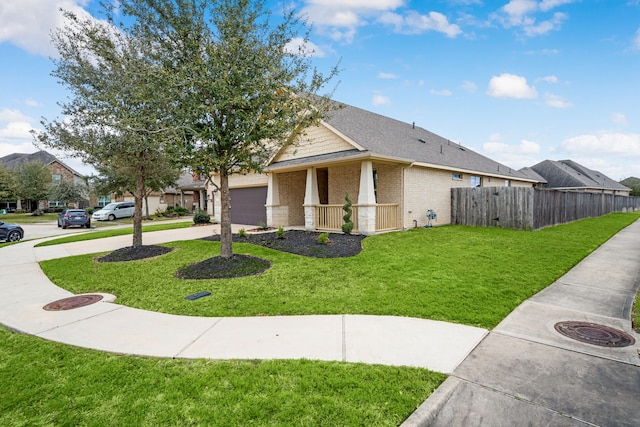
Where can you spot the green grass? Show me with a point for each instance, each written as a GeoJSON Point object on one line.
{"type": "Point", "coordinates": [114, 232]}
{"type": "Point", "coordinates": [468, 275]}
{"type": "Point", "coordinates": [635, 313]}
{"type": "Point", "coordinates": [46, 384]}
{"type": "Point", "coordinates": [28, 218]}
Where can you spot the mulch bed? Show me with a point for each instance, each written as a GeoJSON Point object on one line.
{"type": "Point", "coordinates": [304, 243]}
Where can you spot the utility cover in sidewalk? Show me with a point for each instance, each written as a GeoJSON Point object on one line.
{"type": "Point", "coordinates": [592, 333]}
{"type": "Point", "coordinates": [72, 302]}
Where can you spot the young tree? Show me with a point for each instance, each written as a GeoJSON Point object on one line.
{"type": "Point", "coordinates": [8, 188]}
{"type": "Point", "coordinates": [240, 90]}
{"type": "Point", "coordinates": [33, 182]}
{"type": "Point", "coordinates": [67, 192]}
{"type": "Point", "coordinates": [113, 116]}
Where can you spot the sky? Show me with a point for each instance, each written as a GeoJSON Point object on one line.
{"type": "Point", "coordinates": [518, 81]}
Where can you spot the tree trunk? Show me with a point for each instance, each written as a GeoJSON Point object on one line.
{"type": "Point", "coordinates": [137, 213]}
{"type": "Point", "coordinates": [226, 236]}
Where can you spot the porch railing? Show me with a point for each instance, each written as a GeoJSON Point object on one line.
{"type": "Point", "coordinates": [329, 217]}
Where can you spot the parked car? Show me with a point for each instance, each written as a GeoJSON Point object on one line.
{"type": "Point", "coordinates": [69, 217]}
{"type": "Point", "coordinates": [10, 232]}
{"type": "Point", "coordinates": [114, 210]}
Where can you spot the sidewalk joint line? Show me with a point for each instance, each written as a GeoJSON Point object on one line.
{"type": "Point", "coordinates": [213, 325]}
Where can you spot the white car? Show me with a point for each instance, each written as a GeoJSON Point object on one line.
{"type": "Point", "coordinates": [113, 211]}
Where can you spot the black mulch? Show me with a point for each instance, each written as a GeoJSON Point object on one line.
{"type": "Point", "coordinates": [304, 243]}
{"type": "Point", "coordinates": [295, 241]}
{"type": "Point", "coordinates": [131, 253]}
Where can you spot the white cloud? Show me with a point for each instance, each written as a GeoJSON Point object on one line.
{"type": "Point", "coordinates": [511, 86]}
{"type": "Point", "coordinates": [387, 76]}
{"type": "Point", "coordinates": [31, 102]}
{"type": "Point", "coordinates": [7, 115]}
{"type": "Point", "coordinates": [549, 79]}
{"type": "Point", "coordinates": [516, 156]}
{"type": "Point", "coordinates": [469, 86]}
{"type": "Point", "coordinates": [604, 143]}
{"type": "Point", "coordinates": [308, 48]}
{"type": "Point", "coordinates": [416, 23]}
{"type": "Point", "coordinates": [617, 155]}
{"type": "Point", "coordinates": [522, 13]}
{"type": "Point", "coordinates": [341, 19]}
{"type": "Point", "coordinates": [619, 118]}
{"type": "Point", "coordinates": [443, 92]}
{"type": "Point", "coordinates": [28, 23]}
{"type": "Point", "coordinates": [379, 100]}
{"type": "Point", "coordinates": [556, 101]}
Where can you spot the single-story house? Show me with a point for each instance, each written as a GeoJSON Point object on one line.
{"type": "Point", "coordinates": [395, 173]}
{"type": "Point", "coordinates": [567, 175]}
{"type": "Point", "coordinates": [59, 172]}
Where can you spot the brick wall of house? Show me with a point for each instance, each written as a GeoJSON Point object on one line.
{"type": "Point", "coordinates": [426, 189]}
{"type": "Point", "coordinates": [344, 179]}
{"type": "Point", "coordinates": [292, 188]}
{"type": "Point", "coordinates": [66, 174]}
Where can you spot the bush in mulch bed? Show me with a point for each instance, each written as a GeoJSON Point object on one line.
{"type": "Point", "coordinates": [131, 253]}
{"type": "Point", "coordinates": [224, 268]}
{"type": "Point", "coordinates": [304, 243]}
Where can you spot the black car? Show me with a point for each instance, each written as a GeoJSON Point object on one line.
{"type": "Point", "coordinates": [69, 217]}
{"type": "Point", "coordinates": [10, 232]}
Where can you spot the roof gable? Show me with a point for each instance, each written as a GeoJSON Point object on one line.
{"type": "Point", "coordinates": [15, 160]}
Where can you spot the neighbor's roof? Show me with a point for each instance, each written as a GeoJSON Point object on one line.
{"type": "Point", "coordinates": [384, 137]}
{"type": "Point", "coordinates": [13, 161]}
{"type": "Point", "coordinates": [567, 174]}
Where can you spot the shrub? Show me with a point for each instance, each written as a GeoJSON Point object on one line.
{"type": "Point", "coordinates": [323, 238]}
{"type": "Point", "coordinates": [280, 233]}
{"type": "Point", "coordinates": [262, 225]}
{"type": "Point", "coordinates": [347, 227]}
{"type": "Point", "coordinates": [201, 217]}
{"type": "Point", "coordinates": [37, 212]}
{"type": "Point", "coordinates": [242, 233]}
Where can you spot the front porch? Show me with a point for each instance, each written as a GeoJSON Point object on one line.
{"type": "Point", "coordinates": [314, 197]}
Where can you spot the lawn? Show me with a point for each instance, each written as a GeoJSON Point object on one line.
{"type": "Point", "coordinates": [463, 274]}
{"type": "Point", "coordinates": [47, 384]}
{"type": "Point", "coordinates": [474, 276]}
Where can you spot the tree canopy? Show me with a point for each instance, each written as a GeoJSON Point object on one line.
{"type": "Point", "coordinates": [239, 88]}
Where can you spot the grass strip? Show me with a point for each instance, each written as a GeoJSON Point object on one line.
{"type": "Point", "coordinates": [469, 275]}
{"type": "Point", "coordinates": [81, 237]}
{"type": "Point", "coordinates": [45, 383]}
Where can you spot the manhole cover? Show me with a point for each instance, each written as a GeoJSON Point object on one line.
{"type": "Point", "coordinates": [592, 333]}
{"type": "Point", "coordinates": [72, 302]}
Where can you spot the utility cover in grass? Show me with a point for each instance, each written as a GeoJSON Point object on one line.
{"type": "Point", "coordinates": [224, 268]}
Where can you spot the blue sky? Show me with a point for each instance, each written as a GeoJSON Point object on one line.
{"type": "Point", "coordinates": [519, 81]}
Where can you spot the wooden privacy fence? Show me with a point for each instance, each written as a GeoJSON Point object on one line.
{"type": "Point", "coordinates": [528, 208]}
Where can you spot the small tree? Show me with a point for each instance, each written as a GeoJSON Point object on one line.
{"type": "Point", "coordinates": [8, 188]}
{"type": "Point", "coordinates": [347, 227]}
{"type": "Point", "coordinates": [67, 192]}
{"type": "Point", "coordinates": [33, 180]}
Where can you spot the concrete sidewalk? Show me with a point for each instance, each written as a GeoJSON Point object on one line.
{"type": "Point", "coordinates": [525, 373]}
{"type": "Point", "coordinates": [105, 325]}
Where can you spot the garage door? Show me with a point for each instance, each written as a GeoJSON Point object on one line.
{"type": "Point", "coordinates": [247, 205]}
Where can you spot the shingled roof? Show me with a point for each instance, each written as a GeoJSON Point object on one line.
{"type": "Point", "coordinates": [567, 174]}
{"type": "Point", "coordinates": [15, 160]}
{"type": "Point", "coordinates": [384, 137]}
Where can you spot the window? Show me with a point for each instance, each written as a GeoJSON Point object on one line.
{"type": "Point", "coordinates": [104, 201]}
{"type": "Point", "coordinates": [55, 204]}
{"type": "Point", "coordinates": [507, 183]}
{"type": "Point", "coordinates": [56, 178]}
{"type": "Point", "coordinates": [476, 181]}
{"type": "Point", "coordinates": [456, 176]}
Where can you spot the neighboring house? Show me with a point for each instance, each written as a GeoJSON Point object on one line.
{"type": "Point", "coordinates": [568, 175]}
{"type": "Point", "coordinates": [59, 172]}
{"type": "Point", "coordinates": [190, 192]}
{"type": "Point", "coordinates": [394, 173]}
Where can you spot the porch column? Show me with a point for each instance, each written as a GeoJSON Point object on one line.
{"type": "Point", "coordinates": [276, 215]}
{"type": "Point", "coordinates": [311, 199]}
{"type": "Point", "coordinates": [202, 200]}
{"type": "Point", "coordinates": [366, 200]}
